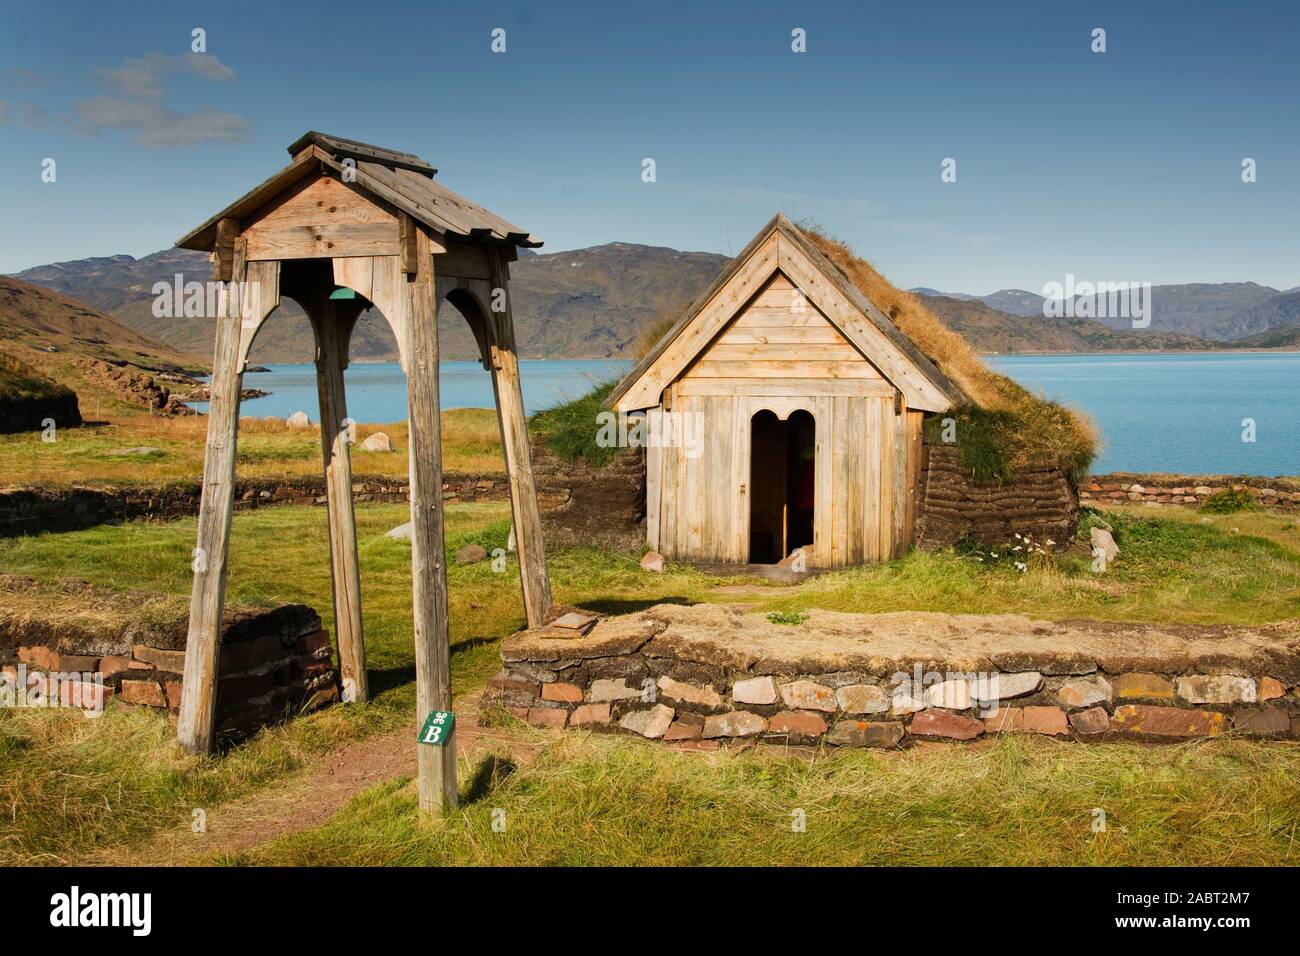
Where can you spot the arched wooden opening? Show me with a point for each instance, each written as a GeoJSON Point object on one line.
{"type": "Point", "coordinates": [345, 214]}
{"type": "Point", "coordinates": [782, 484]}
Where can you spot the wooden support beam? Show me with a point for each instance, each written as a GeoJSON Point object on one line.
{"type": "Point", "coordinates": [514, 442]}
{"type": "Point", "coordinates": [436, 766]}
{"type": "Point", "coordinates": [207, 596]}
{"type": "Point", "coordinates": [407, 244]}
{"type": "Point", "coordinates": [223, 253]}
{"type": "Point", "coordinates": [333, 322]}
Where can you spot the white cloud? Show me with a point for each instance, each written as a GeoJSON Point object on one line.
{"type": "Point", "coordinates": [133, 101]}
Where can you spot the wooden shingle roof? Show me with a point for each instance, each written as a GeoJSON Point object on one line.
{"type": "Point", "coordinates": [403, 180]}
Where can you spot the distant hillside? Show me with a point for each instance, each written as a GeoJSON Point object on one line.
{"type": "Point", "coordinates": [588, 303]}
{"type": "Point", "coordinates": [1285, 337]}
{"type": "Point", "coordinates": [593, 303]}
{"type": "Point", "coordinates": [49, 336]}
{"type": "Point", "coordinates": [989, 330]}
{"type": "Point", "coordinates": [1224, 310]}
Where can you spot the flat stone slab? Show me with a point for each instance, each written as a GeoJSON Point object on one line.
{"type": "Point", "coordinates": [881, 645]}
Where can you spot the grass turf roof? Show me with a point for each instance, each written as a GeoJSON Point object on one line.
{"type": "Point", "coordinates": [1004, 426]}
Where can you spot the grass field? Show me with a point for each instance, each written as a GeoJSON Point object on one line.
{"type": "Point", "coordinates": [67, 783]}
{"type": "Point", "coordinates": [93, 455]}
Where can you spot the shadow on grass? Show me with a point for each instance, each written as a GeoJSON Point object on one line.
{"type": "Point", "coordinates": [614, 606]}
{"type": "Point", "coordinates": [491, 773]}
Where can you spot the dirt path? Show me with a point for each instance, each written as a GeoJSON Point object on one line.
{"type": "Point", "coordinates": [310, 798]}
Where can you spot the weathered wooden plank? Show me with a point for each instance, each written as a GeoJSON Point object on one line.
{"type": "Point", "coordinates": [765, 352]}
{"type": "Point", "coordinates": [261, 298]}
{"type": "Point", "coordinates": [323, 241]}
{"type": "Point", "coordinates": [436, 766]}
{"type": "Point", "coordinates": [513, 423]}
{"type": "Point", "coordinates": [388, 293]}
{"type": "Point", "coordinates": [824, 484]}
{"type": "Point", "coordinates": [783, 335]}
{"type": "Point", "coordinates": [406, 244]}
{"type": "Point", "coordinates": [654, 464]}
{"type": "Point", "coordinates": [885, 469]}
{"type": "Point", "coordinates": [871, 440]}
{"type": "Point", "coordinates": [356, 273]}
{"type": "Point", "coordinates": [741, 450]}
{"type": "Point", "coordinates": [333, 322]}
{"type": "Point", "coordinates": [759, 317]}
{"type": "Point", "coordinates": [465, 261]}
{"type": "Point", "coordinates": [194, 729]}
{"type": "Point", "coordinates": [320, 201]}
{"type": "Point", "coordinates": [720, 430]}
{"type": "Point", "coordinates": [781, 369]}
{"type": "Point", "coordinates": [784, 387]}
{"type": "Point", "coordinates": [223, 253]}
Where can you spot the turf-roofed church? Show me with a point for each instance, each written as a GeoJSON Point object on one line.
{"type": "Point", "coordinates": [787, 411]}
{"type": "Point", "coordinates": [805, 409]}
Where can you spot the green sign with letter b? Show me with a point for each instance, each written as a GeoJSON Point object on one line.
{"type": "Point", "coordinates": [437, 728]}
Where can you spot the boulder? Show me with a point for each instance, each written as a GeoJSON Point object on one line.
{"type": "Point", "coordinates": [377, 442]}
{"type": "Point", "coordinates": [401, 533]}
{"type": "Point", "coordinates": [472, 553]}
{"type": "Point", "coordinates": [1103, 539]}
{"type": "Point", "coordinates": [653, 561]}
{"type": "Point", "coordinates": [298, 420]}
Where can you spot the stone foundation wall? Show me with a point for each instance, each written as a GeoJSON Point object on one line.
{"type": "Point", "coordinates": [29, 511]}
{"type": "Point", "coordinates": [1040, 503]}
{"type": "Point", "coordinates": [1186, 490]}
{"type": "Point", "coordinates": [640, 678]}
{"type": "Point", "coordinates": [274, 663]}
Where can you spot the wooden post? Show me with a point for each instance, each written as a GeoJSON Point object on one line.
{"type": "Point", "coordinates": [207, 597]}
{"type": "Point", "coordinates": [436, 766]}
{"type": "Point", "coordinates": [333, 322]}
{"type": "Point", "coordinates": [504, 364]}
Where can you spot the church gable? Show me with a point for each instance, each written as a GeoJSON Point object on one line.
{"type": "Point", "coordinates": [720, 339]}
{"type": "Point", "coordinates": [780, 334]}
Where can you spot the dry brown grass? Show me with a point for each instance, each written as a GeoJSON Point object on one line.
{"type": "Point", "coordinates": [96, 455]}
{"type": "Point", "coordinates": [1042, 431]}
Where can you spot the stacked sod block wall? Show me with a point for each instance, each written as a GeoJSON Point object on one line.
{"type": "Point", "coordinates": [58, 648]}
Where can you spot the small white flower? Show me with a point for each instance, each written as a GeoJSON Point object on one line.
{"type": "Point", "coordinates": [1021, 567]}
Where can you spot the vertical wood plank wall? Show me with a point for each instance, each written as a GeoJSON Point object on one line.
{"type": "Point", "coordinates": [784, 356]}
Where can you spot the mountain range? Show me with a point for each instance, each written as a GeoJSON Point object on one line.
{"type": "Point", "coordinates": [1225, 311]}
{"type": "Point", "coordinates": [597, 302]}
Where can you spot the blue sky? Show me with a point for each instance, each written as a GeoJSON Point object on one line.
{"type": "Point", "coordinates": [1118, 166]}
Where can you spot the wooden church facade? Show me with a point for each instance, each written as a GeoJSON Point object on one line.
{"type": "Point", "coordinates": [785, 412]}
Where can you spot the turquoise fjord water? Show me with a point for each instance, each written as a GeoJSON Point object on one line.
{"type": "Point", "coordinates": [1171, 413]}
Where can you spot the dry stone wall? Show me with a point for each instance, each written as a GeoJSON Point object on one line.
{"type": "Point", "coordinates": [646, 675]}
{"type": "Point", "coordinates": [1190, 491]}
